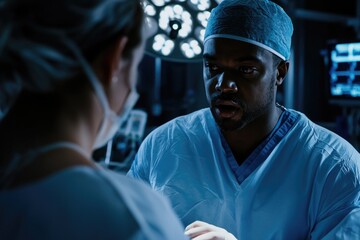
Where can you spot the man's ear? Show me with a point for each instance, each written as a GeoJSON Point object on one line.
{"type": "Point", "coordinates": [282, 70]}
{"type": "Point", "coordinates": [112, 58]}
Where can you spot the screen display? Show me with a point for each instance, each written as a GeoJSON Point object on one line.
{"type": "Point", "coordinates": [344, 71]}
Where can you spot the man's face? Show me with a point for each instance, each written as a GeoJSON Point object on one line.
{"type": "Point", "coordinates": [239, 82]}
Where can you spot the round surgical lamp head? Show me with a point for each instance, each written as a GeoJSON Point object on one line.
{"type": "Point", "coordinates": [180, 28]}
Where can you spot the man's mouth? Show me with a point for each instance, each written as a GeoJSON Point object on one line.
{"type": "Point", "coordinates": [226, 108]}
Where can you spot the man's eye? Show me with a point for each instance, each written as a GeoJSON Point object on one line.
{"type": "Point", "coordinates": [212, 67]}
{"type": "Point", "coordinates": [247, 70]}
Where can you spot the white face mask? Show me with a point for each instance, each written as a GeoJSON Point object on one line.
{"type": "Point", "coordinates": [112, 122]}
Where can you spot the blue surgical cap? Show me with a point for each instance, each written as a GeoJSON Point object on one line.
{"type": "Point", "coordinates": [259, 22]}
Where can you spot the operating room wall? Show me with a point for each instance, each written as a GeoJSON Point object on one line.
{"type": "Point", "coordinates": [312, 34]}
{"type": "Point", "coordinates": [316, 25]}
{"type": "Point", "coordinates": [182, 91]}
{"type": "Point", "coordinates": [312, 82]}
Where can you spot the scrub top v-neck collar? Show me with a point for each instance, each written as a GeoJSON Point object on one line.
{"type": "Point", "coordinates": [259, 155]}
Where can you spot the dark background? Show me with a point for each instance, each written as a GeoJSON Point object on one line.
{"type": "Point", "coordinates": [316, 23]}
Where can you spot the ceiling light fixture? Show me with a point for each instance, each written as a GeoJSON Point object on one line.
{"type": "Point", "coordinates": [181, 27]}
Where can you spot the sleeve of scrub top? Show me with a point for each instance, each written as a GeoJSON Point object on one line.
{"type": "Point", "coordinates": [140, 167]}
{"type": "Point", "coordinates": [337, 204]}
{"type": "Point", "coordinates": [158, 221]}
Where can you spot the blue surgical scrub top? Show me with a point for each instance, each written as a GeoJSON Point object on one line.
{"type": "Point", "coordinates": [302, 182]}
{"type": "Point", "coordinates": [85, 203]}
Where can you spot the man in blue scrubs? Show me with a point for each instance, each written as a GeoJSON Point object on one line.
{"type": "Point", "coordinates": [247, 167]}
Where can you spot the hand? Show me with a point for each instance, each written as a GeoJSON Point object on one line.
{"type": "Point", "coordinates": [199, 230]}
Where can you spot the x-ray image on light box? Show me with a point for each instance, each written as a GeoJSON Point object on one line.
{"type": "Point", "coordinates": [344, 73]}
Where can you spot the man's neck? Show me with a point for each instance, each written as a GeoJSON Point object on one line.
{"type": "Point", "coordinates": [244, 141]}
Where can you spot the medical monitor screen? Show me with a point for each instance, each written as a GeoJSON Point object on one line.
{"type": "Point", "coordinates": [344, 73]}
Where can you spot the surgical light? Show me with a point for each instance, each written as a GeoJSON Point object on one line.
{"type": "Point", "coordinates": [181, 26]}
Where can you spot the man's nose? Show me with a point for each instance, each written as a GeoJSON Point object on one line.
{"type": "Point", "coordinates": [225, 85]}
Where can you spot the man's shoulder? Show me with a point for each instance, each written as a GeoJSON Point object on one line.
{"type": "Point", "coordinates": [319, 138]}
{"type": "Point", "coordinates": [183, 123]}
{"type": "Point", "coordinates": [189, 119]}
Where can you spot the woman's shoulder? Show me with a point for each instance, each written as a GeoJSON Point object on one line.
{"type": "Point", "coordinates": [81, 195]}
